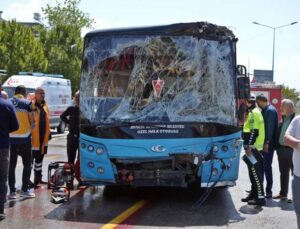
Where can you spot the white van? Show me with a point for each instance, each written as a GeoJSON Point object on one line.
{"type": "Point", "coordinates": [58, 92]}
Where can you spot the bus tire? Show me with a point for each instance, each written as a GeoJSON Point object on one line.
{"type": "Point", "coordinates": [109, 190]}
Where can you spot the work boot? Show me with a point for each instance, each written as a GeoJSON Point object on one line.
{"type": "Point", "coordinates": [269, 195]}
{"type": "Point", "coordinates": [258, 202]}
{"type": "Point", "coordinates": [43, 182]}
{"type": "Point", "coordinates": [38, 180]}
{"type": "Point", "coordinates": [36, 183]}
{"type": "Point", "coordinates": [2, 214]}
{"type": "Point", "coordinates": [31, 185]}
{"type": "Point", "coordinates": [279, 196]}
{"type": "Point", "coordinates": [249, 197]}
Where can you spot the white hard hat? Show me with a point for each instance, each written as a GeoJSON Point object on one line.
{"type": "Point", "coordinates": [252, 97]}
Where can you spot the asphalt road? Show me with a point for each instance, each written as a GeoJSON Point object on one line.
{"type": "Point", "coordinates": [161, 207]}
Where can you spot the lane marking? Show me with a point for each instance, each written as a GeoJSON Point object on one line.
{"type": "Point", "coordinates": [124, 215]}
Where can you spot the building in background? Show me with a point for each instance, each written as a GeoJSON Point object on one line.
{"type": "Point", "coordinates": [32, 25]}
{"type": "Point", "coordinates": [263, 83]}
{"type": "Point", "coordinates": [263, 76]}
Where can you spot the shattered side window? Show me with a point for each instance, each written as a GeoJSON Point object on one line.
{"type": "Point", "coordinates": [158, 79]}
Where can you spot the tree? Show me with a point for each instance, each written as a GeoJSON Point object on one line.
{"type": "Point", "coordinates": [67, 13]}
{"type": "Point", "coordinates": [290, 93]}
{"type": "Point", "coordinates": [62, 40]}
{"type": "Point", "coordinates": [63, 45]}
{"type": "Point", "coordinates": [19, 50]}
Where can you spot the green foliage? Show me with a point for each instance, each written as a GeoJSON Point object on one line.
{"type": "Point", "coordinates": [67, 13]}
{"type": "Point", "coordinates": [290, 93]}
{"type": "Point", "coordinates": [58, 49]}
{"type": "Point", "coordinates": [19, 50]}
{"type": "Point", "coordinates": [62, 46]}
{"type": "Point", "coordinates": [62, 41]}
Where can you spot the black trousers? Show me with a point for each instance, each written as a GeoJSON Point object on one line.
{"type": "Point", "coordinates": [285, 160]}
{"type": "Point", "coordinates": [23, 150]}
{"type": "Point", "coordinates": [37, 162]}
{"type": "Point", "coordinates": [256, 174]}
{"type": "Point", "coordinates": [72, 147]}
{"type": "Point", "coordinates": [267, 171]}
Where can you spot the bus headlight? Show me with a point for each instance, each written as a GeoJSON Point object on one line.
{"type": "Point", "coordinates": [215, 149]}
{"type": "Point", "coordinates": [91, 148]}
{"type": "Point", "coordinates": [224, 148]}
{"type": "Point", "coordinates": [83, 145]}
{"type": "Point", "coordinates": [100, 170]}
{"type": "Point", "coordinates": [91, 164]}
{"type": "Point", "coordinates": [99, 150]}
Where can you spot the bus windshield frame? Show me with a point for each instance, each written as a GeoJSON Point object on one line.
{"type": "Point", "coordinates": [158, 79]}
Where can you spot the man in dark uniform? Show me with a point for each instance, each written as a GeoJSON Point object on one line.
{"type": "Point", "coordinates": [71, 117]}
{"type": "Point", "coordinates": [254, 135]}
{"type": "Point", "coordinates": [8, 124]}
{"type": "Point", "coordinates": [269, 113]}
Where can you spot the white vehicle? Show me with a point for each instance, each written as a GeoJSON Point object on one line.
{"type": "Point", "coordinates": [57, 90]}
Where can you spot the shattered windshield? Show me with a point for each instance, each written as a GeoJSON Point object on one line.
{"type": "Point", "coordinates": [158, 79]}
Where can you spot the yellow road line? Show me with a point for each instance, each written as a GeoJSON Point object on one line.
{"type": "Point", "coordinates": [123, 216]}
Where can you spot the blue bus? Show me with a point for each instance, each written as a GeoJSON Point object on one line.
{"type": "Point", "coordinates": [159, 106]}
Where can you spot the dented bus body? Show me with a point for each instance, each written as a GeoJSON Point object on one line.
{"type": "Point", "coordinates": [159, 106]}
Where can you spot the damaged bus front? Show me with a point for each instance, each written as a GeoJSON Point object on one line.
{"type": "Point", "coordinates": [159, 106]}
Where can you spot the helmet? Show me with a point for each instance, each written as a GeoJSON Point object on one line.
{"type": "Point", "coordinates": [252, 97]}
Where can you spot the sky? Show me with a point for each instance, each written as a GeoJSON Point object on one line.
{"type": "Point", "coordinates": [255, 45]}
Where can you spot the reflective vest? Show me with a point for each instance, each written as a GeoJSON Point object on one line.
{"type": "Point", "coordinates": [253, 121]}
{"type": "Point", "coordinates": [23, 107]}
{"type": "Point", "coordinates": [36, 130]}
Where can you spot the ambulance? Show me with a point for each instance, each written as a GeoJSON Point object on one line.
{"type": "Point", "coordinates": [57, 90]}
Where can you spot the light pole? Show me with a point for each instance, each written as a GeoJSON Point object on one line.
{"type": "Point", "coordinates": [274, 28]}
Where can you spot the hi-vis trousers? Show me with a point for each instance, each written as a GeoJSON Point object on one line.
{"type": "Point", "coordinates": [256, 174]}
{"type": "Point", "coordinates": [37, 162]}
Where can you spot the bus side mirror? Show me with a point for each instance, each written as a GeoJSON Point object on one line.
{"type": "Point", "coordinates": [243, 82]}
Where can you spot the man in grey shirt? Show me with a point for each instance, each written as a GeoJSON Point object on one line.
{"type": "Point", "coordinates": [292, 139]}
{"type": "Point", "coordinates": [284, 152]}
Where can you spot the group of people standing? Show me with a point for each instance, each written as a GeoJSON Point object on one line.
{"type": "Point", "coordinates": [30, 141]}
{"type": "Point", "coordinates": [262, 135]}
{"type": "Point", "coordinates": [25, 132]}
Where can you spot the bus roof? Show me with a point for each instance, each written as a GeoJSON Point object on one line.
{"type": "Point", "coordinates": [200, 29]}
